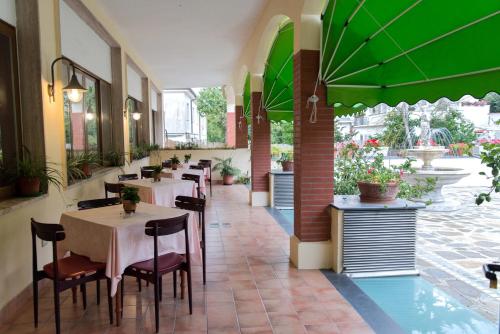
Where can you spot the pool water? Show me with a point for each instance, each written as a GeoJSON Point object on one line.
{"type": "Point", "coordinates": [419, 307]}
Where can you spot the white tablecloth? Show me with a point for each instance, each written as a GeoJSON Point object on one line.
{"type": "Point", "coordinates": [109, 235]}
{"type": "Point", "coordinates": [177, 175]}
{"type": "Point", "coordinates": [163, 192]}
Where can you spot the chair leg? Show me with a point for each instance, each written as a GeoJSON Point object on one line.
{"type": "Point", "coordinates": [139, 285]}
{"type": "Point", "coordinates": [157, 303]}
{"type": "Point", "coordinates": [74, 294]}
{"type": "Point", "coordinates": [110, 301]}
{"type": "Point", "coordinates": [175, 283]}
{"type": "Point", "coordinates": [83, 288]}
{"type": "Point", "coordinates": [204, 247]}
{"type": "Point", "coordinates": [160, 287]}
{"type": "Point", "coordinates": [122, 289]}
{"type": "Point", "coordinates": [35, 301]}
{"type": "Point", "coordinates": [57, 308]}
{"type": "Point", "coordinates": [190, 296]}
{"type": "Point", "coordinates": [98, 291]}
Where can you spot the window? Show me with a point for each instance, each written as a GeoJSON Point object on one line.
{"type": "Point", "coordinates": [9, 104]}
{"type": "Point", "coordinates": [133, 130]}
{"type": "Point", "coordinates": [81, 119]}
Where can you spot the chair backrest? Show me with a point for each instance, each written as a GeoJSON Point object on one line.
{"type": "Point", "coordinates": [125, 177]}
{"type": "Point", "coordinates": [47, 232]}
{"type": "Point", "coordinates": [206, 161]}
{"type": "Point", "coordinates": [114, 188]}
{"type": "Point", "coordinates": [191, 177]}
{"type": "Point", "coordinates": [190, 203]}
{"type": "Point", "coordinates": [98, 203]}
{"type": "Point", "coordinates": [147, 172]}
{"type": "Point", "coordinates": [167, 164]}
{"type": "Point", "coordinates": [196, 167]}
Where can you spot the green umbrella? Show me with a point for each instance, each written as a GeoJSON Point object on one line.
{"type": "Point", "coordinates": [407, 50]}
{"type": "Point", "coordinates": [247, 100]}
{"type": "Point", "coordinates": [277, 92]}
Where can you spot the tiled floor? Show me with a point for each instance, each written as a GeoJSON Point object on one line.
{"type": "Point", "coordinates": [251, 287]}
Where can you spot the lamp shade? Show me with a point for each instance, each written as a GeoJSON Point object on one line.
{"type": "Point", "coordinates": [136, 115]}
{"type": "Point", "coordinates": [74, 89]}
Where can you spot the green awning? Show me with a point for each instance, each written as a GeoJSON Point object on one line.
{"type": "Point", "coordinates": [277, 91]}
{"type": "Point", "coordinates": [247, 100]}
{"type": "Point", "coordinates": [409, 50]}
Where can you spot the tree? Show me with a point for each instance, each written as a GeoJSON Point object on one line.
{"type": "Point", "coordinates": [461, 129]}
{"type": "Point", "coordinates": [282, 132]}
{"type": "Point", "coordinates": [494, 101]}
{"type": "Point", "coordinates": [212, 104]}
{"type": "Point", "coordinates": [395, 132]}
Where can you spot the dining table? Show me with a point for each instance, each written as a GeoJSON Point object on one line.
{"type": "Point", "coordinates": [176, 174]}
{"type": "Point", "coordinates": [111, 236]}
{"type": "Point", "coordinates": [163, 192]}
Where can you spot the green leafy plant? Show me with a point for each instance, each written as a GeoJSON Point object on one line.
{"type": "Point", "coordinates": [79, 164]}
{"type": "Point", "coordinates": [175, 160]}
{"type": "Point", "coordinates": [157, 168]}
{"type": "Point", "coordinates": [490, 156]}
{"type": "Point", "coordinates": [73, 167]}
{"type": "Point", "coordinates": [244, 179]}
{"type": "Point", "coordinates": [212, 104]}
{"type": "Point", "coordinates": [31, 167]}
{"type": "Point", "coordinates": [186, 146]}
{"type": "Point", "coordinates": [225, 167]}
{"type": "Point", "coordinates": [461, 149]}
{"type": "Point", "coordinates": [285, 156]}
{"type": "Point", "coordinates": [187, 157]}
{"type": "Point", "coordinates": [114, 158]}
{"type": "Point", "coordinates": [131, 194]}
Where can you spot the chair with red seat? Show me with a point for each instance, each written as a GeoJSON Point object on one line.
{"type": "Point", "coordinates": [66, 273]}
{"type": "Point", "coordinates": [153, 269]}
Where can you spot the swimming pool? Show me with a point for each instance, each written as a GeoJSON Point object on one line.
{"type": "Point", "coordinates": [420, 308]}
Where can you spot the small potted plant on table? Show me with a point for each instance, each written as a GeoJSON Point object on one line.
{"type": "Point", "coordinates": [175, 162]}
{"type": "Point", "coordinates": [187, 157]}
{"type": "Point", "coordinates": [130, 198]}
{"type": "Point", "coordinates": [226, 169]}
{"type": "Point", "coordinates": [157, 172]}
{"type": "Point", "coordinates": [286, 161]}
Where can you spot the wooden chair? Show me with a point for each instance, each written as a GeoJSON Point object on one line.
{"type": "Point", "coordinates": [167, 164]}
{"type": "Point", "coordinates": [207, 164]}
{"type": "Point", "coordinates": [147, 172]}
{"type": "Point", "coordinates": [126, 177]}
{"type": "Point", "coordinates": [98, 203]}
{"type": "Point", "coordinates": [196, 179]}
{"type": "Point", "coordinates": [196, 205]}
{"type": "Point", "coordinates": [152, 270]}
{"type": "Point", "coordinates": [114, 188]}
{"type": "Point", "coordinates": [66, 273]}
{"type": "Point", "coordinates": [198, 167]}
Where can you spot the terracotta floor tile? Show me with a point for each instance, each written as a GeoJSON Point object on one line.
{"type": "Point", "coordinates": [253, 320]}
{"type": "Point", "coordinates": [289, 329]}
{"type": "Point", "coordinates": [252, 306]}
{"type": "Point", "coordinates": [323, 329]}
{"type": "Point", "coordinates": [247, 295]}
{"type": "Point", "coordinates": [257, 330]}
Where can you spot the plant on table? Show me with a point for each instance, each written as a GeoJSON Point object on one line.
{"type": "Point", "coordinates": [286, 161]}
{"type": "Point", "coordinates": [130, 198]}
{"type": "Point", "coordinates": [175, 162]}
{"type": "Point", "coordinates": [34, 175]}
{"type": "Point", "coordinates": [156, 172]}
{"type": "Point", "coordinates": [226, 169]}
{"type": "Point", "coordinates": [490, 156]}
{"type": "Point", "coordinates": [187, 157]}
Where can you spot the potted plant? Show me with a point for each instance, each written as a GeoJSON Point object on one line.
{"type": "Point", "coordinates": [187, 157]}
{"type": "Point", "coordinates": [286, 161]}
{"type": "Point", "coordinates": [114, 158]}
{"type": "Point", "coordinates": [226, 169]}
{"type": "Point", "coordinates": [490, 156]}
{"type": "Point", "coordinates": [157, 172]}
{"type": "Point", "coordinates": [88, 160]}
{"type": "Point", "coordinates": [175, 162]}
{"type": "Point", "coordinates": [34, 176]}
{"type": "Point", "coordinates": [130, 198]}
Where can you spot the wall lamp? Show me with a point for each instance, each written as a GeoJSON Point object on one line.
{"type": "Point", "coordinates": [73, 88]}
{"type": "Point", "coordinates": [136, 115]}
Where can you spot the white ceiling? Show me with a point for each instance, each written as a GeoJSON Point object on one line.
{"type": "Point", "coordinates": [187, 43]}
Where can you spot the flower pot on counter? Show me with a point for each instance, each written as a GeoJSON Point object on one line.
{"type": "Point", "coordinates": [228, 180]}
{"type": "Point", "coordinates": [28, 186]}
{"type": "Point", "coordinates": [287, 166]}
{"type": "Point", "coordinates": [174, 166]}
{"type": "Point", "coordinates": [372, 192]}
{"type": "Point", "coordinates": [129, 206]}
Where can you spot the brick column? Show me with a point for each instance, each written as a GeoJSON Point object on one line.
{"type": "Point", "coordinates": [241, 132]}
{"type": "Point", "coordinates": [261, 154]}
{"type": "Point", "coordinates": [313, 168]}
{"type": "Point", "coordinates": [230, 129]}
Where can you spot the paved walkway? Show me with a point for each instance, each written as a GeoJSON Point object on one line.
{"type": "Point", "coordinates": [251, 287]}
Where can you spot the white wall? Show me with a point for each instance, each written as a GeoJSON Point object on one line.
{"type": "Point", "coordinates": [134, 83]}
{"type": "Point", "coordinates": [154, 99]}
{"type": "Point", "coordinates": [81, 44]}
{"type": "Point", "coordinates": [8, 11]}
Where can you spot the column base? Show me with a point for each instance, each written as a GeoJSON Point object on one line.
{"type": "Point", "coordinates": [259, 198]}
{"type": "Point", "coordinates": [310, 255]}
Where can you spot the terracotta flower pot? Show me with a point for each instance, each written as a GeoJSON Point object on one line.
{"type": "Point", "coordinates": [228, 180]}
{"type": "Point", "coordinates": [156, 177]}
{"type": "Point", "coordinates": [287, 166]}
{"type": "Point", "coordinates": [28, 186]}
{"type": "Point", "coordinates": [371, 192]}
{"type": "Point", "coordinates": [129, 206]}
{"type": "Point", "coordinates": [174, 166]}
{"type": "Point", "coordinates": [86, 170]}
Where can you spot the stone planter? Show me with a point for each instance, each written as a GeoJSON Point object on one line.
{"type": "Point", "coordinates": [228, 180]}
{"type": "Point", "coordinates": [287, 166]}
{"type": "Point", "coordinates": [371, 192]}
{"type": "Point", "coordinates": [28, 186]}
{"type": "Point", "coordinates": [129, 206]}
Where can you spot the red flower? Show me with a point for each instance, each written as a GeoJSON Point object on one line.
{"type": "Point", "coordinates": [370, 170]}
{"type": "Point", "coordinates": [372, 143]}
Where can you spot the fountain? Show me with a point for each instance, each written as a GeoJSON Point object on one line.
{"type": "Point", "coordinates": [444, 176]}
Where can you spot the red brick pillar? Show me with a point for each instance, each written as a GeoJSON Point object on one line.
{"type": "Point", "coordinates": [230, 129]}
{"type": "Point", "coordinates": [313, 163]}
{"type": "Point", "coordinates": [261, 153]}
{"type": "Point", "coordinates": [241, 140]}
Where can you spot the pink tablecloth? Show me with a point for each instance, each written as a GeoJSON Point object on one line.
{"type": "Point", "coordinates": [108, 235]}
{"type": "Point", "coordinates": [163, 192]}
{"type": "Point", "coordinates": [177, 175]}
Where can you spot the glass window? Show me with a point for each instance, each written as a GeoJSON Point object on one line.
{"type": "Point", "coordinates": [132, 123]}
{"type": "Point", "coordinates": [81, 119]}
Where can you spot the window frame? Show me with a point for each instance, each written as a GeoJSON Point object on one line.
{"type": "Point", "coordinates": [135, 102]}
